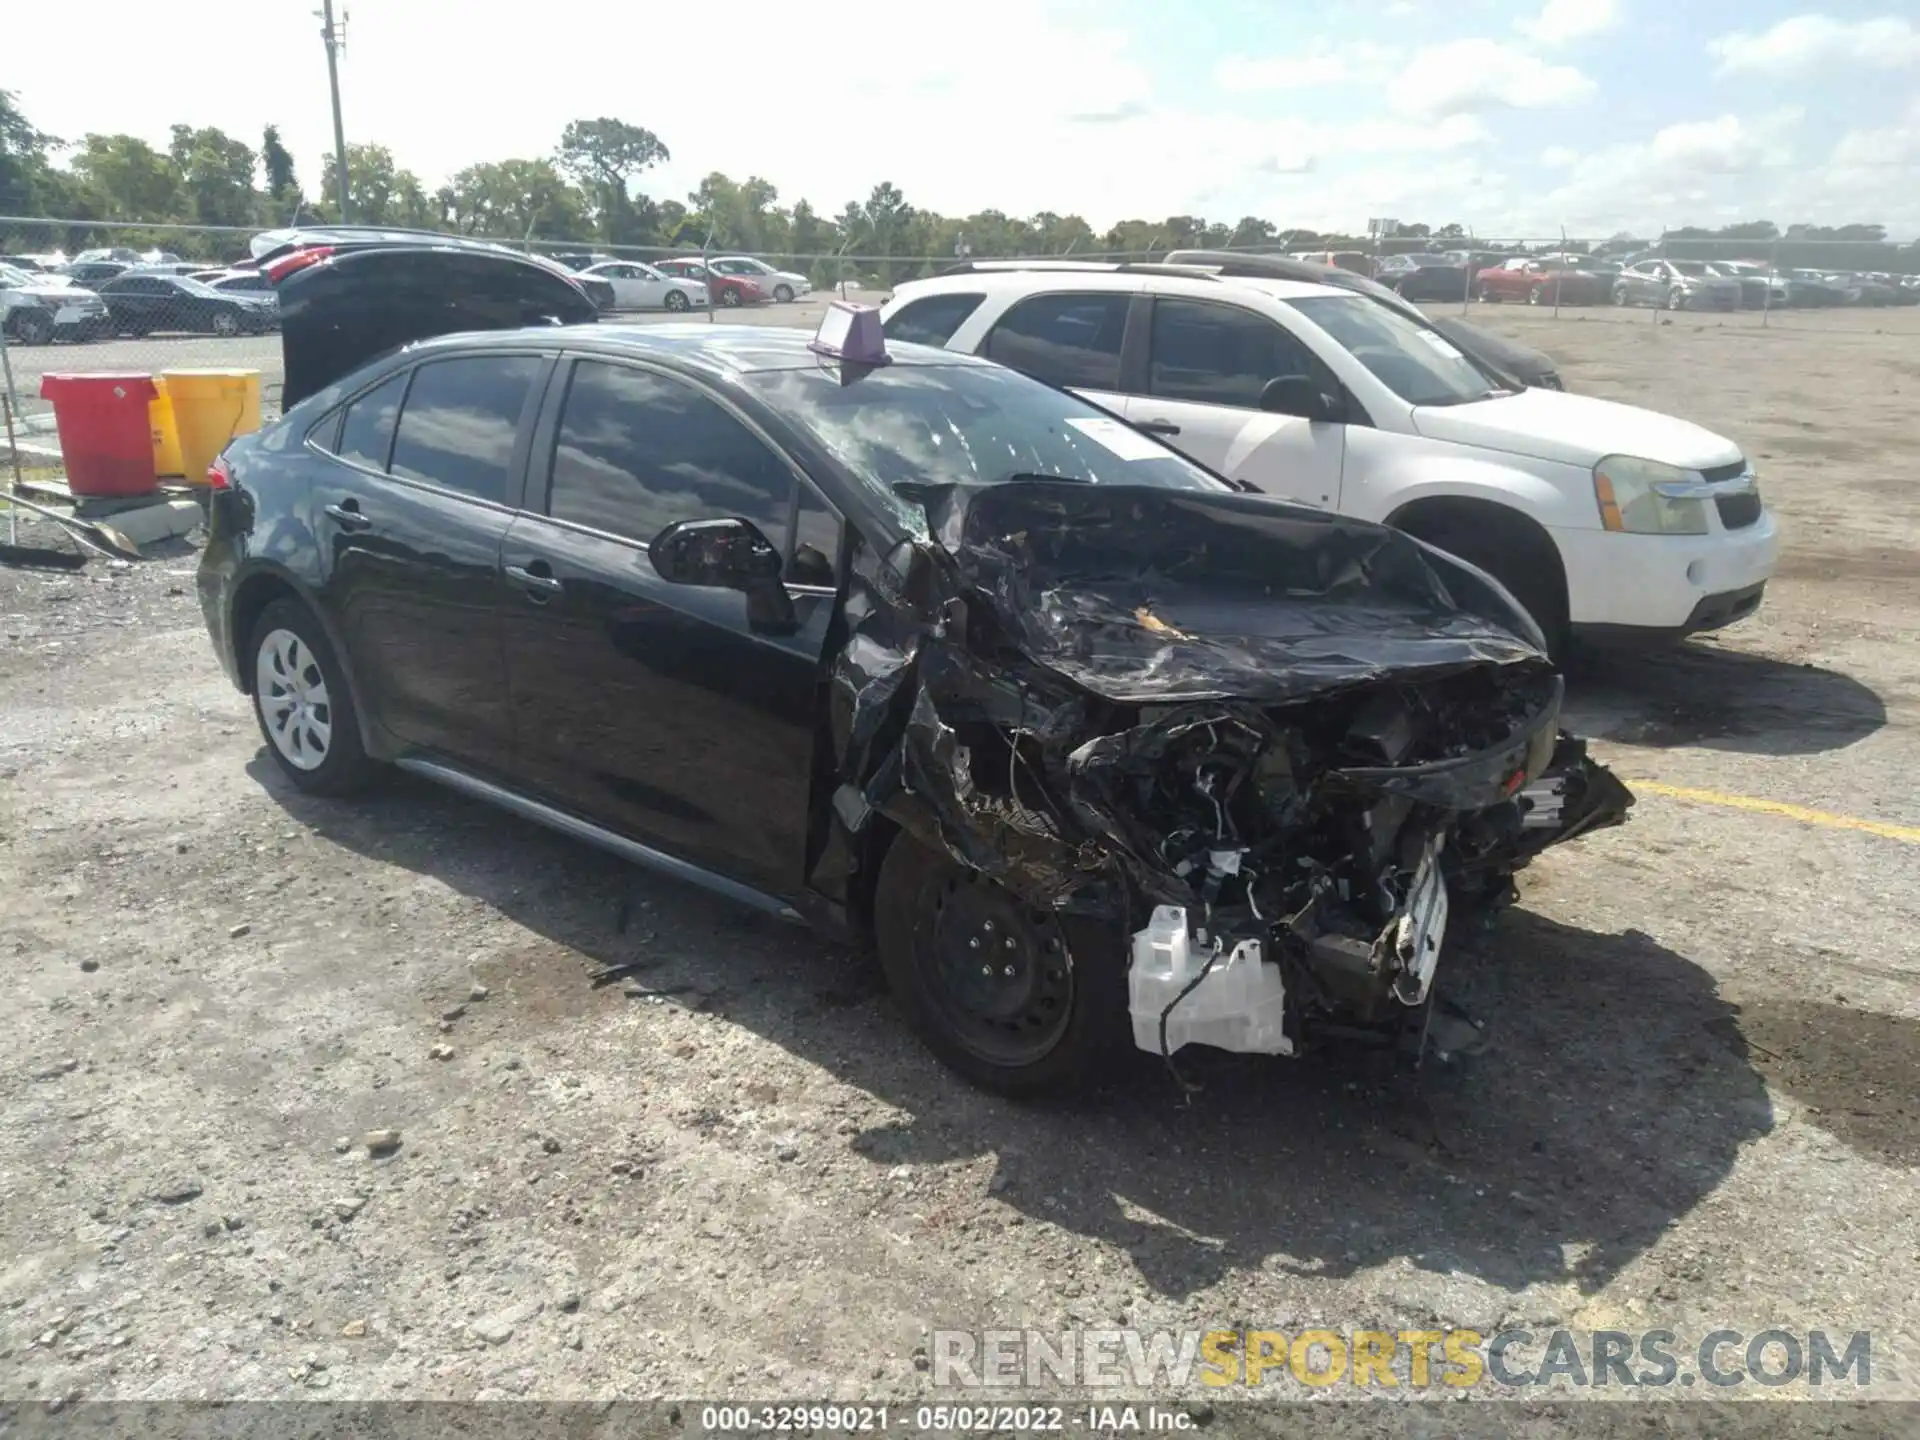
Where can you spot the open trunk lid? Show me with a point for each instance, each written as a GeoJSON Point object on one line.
{"type": "Point", "coordinates": [342, 305]}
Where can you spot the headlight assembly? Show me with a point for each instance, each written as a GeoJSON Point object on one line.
{"type": "Point", "coordinates": [1637, 497]}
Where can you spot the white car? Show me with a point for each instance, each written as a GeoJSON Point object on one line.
{"type": "Point", "coordinates": [1603, 519]}
{"type": "Point", "coordinates": [641, 287]}
{"type": "Point", "coordinates": [782, 285]}
{"type": "Point", "coordinates": [35, 309]}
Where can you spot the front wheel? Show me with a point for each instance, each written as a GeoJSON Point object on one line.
{"type": "Point", "coordinates": [304, 704]}
{"type": "Point", "coordinates": [1483, 295]}
{"type": "Point", "coordinates": [783, 293]}
{"type": "Point", "coordinates": [33, 327]}
{"type": "Point", "coordinates": [1536, 296]}
{"type": "Point", "coordinates": [1676, 298]}
{"type": "Point", "coordinates": [1620, 295]}
{"type": "Point", "coordinates": [226, 324]}
{"type": "Point", "coordinates": [676, 302]}
{"type": "Point", "coordinates": [730, 297]}
{"type": "Point", "coordinates": [987, 980]}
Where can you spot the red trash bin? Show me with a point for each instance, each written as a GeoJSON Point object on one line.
{"type": "Point", "coordinates": [106, 435]}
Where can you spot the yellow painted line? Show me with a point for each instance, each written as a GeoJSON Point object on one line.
{"type": "Point", "coordinates": [1885, 829]}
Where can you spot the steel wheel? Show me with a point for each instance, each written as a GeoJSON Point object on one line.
{"type": "Point", "coordinates": [997, 970]}
{"type": "Point", "coordinates": [295, 709]}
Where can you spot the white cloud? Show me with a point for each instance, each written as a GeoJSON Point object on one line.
{"type": "Point", "coordinates": [1805, 44]}
{"type": "Point", "coordinates": [1318, 65]}
{"type": "Point", "coordinates": [1562, 21]}
{"type": "Point", "coordinates": [1464, 77]}
{"type": "Point", "coordinates": [1559, 157]}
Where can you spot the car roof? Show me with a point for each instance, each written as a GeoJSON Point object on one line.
{"type": "Point", "coordinates": [1019, 277]}
{"type": "Point", "coordinates": [718, 352]}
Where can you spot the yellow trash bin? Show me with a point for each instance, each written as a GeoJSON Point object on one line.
{"type": "Point", "coordinates": [210, 407]}
{"type": "Point", "coordinates": [166, 436]}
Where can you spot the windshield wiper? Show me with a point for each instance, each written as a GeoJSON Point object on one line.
{"type": "Point", "coordinates": [1026, 476]}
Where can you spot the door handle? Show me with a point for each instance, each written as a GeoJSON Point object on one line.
{"type": "Point", "coordinates": [347, 513]}
{"type": "Point", "coordinates": [1159, 427]}
{"type": "Point", "coordinates": [537, 579]}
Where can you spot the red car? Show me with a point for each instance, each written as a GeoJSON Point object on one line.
{"type": "Point", "coordinates": [1536, 281]}
{"type": "Point", "coordinates": [725, 289]}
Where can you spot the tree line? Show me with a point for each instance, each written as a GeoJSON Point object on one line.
{"type": "Point", "coordinates": [589, 192]}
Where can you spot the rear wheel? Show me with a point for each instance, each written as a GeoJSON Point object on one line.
{"type": "Point", "coordinates": [303, 703]}
{"type": "Point", "coordinates": [1620, 295]}
{"type": "Point", "coordinates": [1537, 295]}
{"type": "Point", "coordinates": [1482, 294]}
{"type": "Point", "coordinates": [226, 324]}
{"type": "Point", "coordinates": [730, 297]}
{"type": "Point", "coordinates": [987, 980]}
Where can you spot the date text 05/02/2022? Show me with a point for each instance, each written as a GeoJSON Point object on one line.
{"type": "Point", "coordinates": [942, 1419]}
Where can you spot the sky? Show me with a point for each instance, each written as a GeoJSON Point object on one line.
{"type": "Point", "coordinates": [1513, 117]}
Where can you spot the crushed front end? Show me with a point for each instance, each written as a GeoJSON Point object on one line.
{"type": "Point", "coordinates": [1281, 752]}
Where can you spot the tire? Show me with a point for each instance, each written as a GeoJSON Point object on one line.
{"type": "Point", "coordinates": [677, 301]}
{"type": "Point", "coordinates": [1620, 296]}
{"type": "Point", "coordinates": [1482, 294]}
{"type": "Point", "coordinates": [1047, 1030]}
{"type": "Point", "coordinates": [315, 737]}
{"type": "Point", "coordinates": [783, 293]}
{"type": "Point", "coordinates": [33, 327]}
{"type": "Point", "coordinates": [1535, 296]}
{"type": "Point", "coordinates": [1676, 298]}
{"type": "Point", "coordinates": [226, 324]}
{"type": "Point", "coordinates": [730, 298]}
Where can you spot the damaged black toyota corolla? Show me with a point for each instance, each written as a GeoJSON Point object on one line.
{"type": "Point", "coordinates": [1090, 746]}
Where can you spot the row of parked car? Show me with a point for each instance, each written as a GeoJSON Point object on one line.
{"type": "Point", "coordinates": [1675, 284]}
{"type": "Point", "coordinates": [105, 292]}
{"type": "Point", "coordinates": [102, 293]}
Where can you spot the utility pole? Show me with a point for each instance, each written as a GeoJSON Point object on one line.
{"type": "Point", "coordinates": [335, 36]}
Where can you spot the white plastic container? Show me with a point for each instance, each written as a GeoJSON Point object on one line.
{"type": "Point", "coordinates": [1240, 1006]}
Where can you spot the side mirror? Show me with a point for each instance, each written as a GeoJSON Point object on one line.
{"type": "Point", "coordinates": [1297, 395]}
{"type": "Point", "coordinates": [728, 554]}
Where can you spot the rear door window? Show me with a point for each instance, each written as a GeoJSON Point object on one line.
{"type": "Point", "coordinates": [460, 420]}
{"type": "Point", "coordinates": [1065, 340]}
{"type": "Point", "coordinates": [637, 451]}
{"type": "Point", "coordinates": [932, 320]}
{"type": "Point", "coordinates": [366, 430]}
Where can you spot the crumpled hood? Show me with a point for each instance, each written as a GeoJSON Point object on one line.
{"type": "Point", "coordinates": [1574, 429]}
{"type": "Point", "coordinates": [1145, 595]}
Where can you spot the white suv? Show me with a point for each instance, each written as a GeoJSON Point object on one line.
{"type": "Point", "coordinates": [1602, 519]}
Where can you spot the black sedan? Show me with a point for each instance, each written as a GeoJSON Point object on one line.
{"type": "Point", "coordinates": [1425, 277]}
{"type": "Point", "coordinates": [142, 303]}
{"type": "Point", "coordinates": [908, 645]}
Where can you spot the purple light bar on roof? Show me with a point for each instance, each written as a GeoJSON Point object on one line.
{"type": "Point", "coordinates": [851, 333]}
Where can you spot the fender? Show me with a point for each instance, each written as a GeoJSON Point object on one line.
{"type": "Point", "coordinates": [1380, 485]}
{"type": "Point", "coordinates": [371, 737]}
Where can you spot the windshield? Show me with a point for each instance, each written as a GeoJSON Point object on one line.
{"type": "Point", "coordinates": [192, 287]}
{"type": "Point", "coordinates": [1419, 365]}
{"type": "Point", "coordinates": [967, 425]}
{"type": "Point", "coordinates": [1689, 267]}
{"type": "Point", "coordinates": [11, 276]}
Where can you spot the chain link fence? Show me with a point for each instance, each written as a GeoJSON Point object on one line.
{"type": "Point", "coordinates": [88, 297]}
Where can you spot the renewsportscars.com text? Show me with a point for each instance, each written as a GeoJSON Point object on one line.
{"type": "Point", "coordinates": [1390, 1359]}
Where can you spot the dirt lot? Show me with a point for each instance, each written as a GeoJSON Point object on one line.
{"type": "Point", "coordinates": [734, 1175]}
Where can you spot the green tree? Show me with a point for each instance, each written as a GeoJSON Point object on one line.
{"type": "Point", "coordinates": [605, 157]}
{"type": "Point", "coordinates": [378, 191]}
{"type": "Point", "coordinates": [127, 178]}
{"type": "Point", "coordinates": [282, 185]}
{"type": "Point", "coordinates": [24, 172]}
{"type": "Point", "coordinates": [510, 199]}
{"type": "Point", "coordinates": [888, 218]}
{"type": "Point", "coordinates": [216, 176]}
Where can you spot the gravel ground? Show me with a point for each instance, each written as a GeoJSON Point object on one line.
{"type": "Point", "coordinates": [731, 1174]}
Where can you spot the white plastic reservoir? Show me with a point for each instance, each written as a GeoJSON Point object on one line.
{"type": "Point", "coordinates": [1240, 1006]}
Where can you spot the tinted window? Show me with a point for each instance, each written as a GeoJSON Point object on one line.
{"type": "Point", "coordinates": [366, 431]}
{"type": "Point", "coordinates": [458, 427]}
{"type": "Point", "coordinates": [966, 425]}
{"type": "Point", "coordinates": [637, 451]}
{"type": "Point", "coordinates": [931, 321]}
{"type": "Point", "coordinates": [1064, 339]}
{"type": "Point", "coordinates": [816, 542]}
{"type": "Point", "coordinates": [1220, 354]}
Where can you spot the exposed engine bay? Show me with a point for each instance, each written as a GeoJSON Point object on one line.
{"type": "Point", "coordinates": [1281, 749]}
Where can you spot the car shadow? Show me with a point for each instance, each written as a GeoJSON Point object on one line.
{"type": "Point", "coordinates": [1701, 694]}
{"type": "Point", "coordinates": [1617, 1093]}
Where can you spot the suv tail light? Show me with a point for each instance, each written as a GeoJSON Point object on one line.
{"type": "Point", "coordinates": [298, 260]}
{"type": "Point", "coordinates": [219, 477]}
